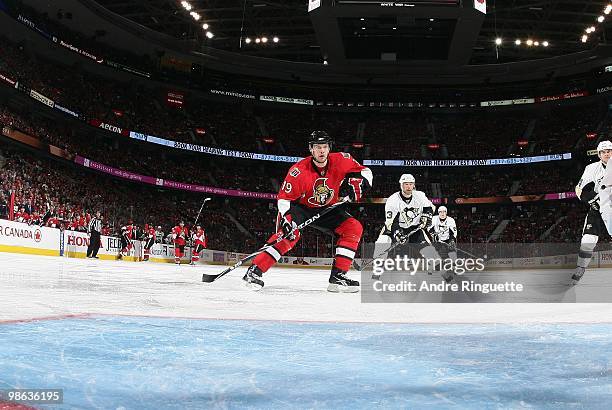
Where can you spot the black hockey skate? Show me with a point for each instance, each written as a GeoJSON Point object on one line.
{"type": "Point", "coordinates": [577, 275]}
{"type": "Point", "coordinates": [339, 282]}
{"type": "Point", "coordinates": [253, 278]}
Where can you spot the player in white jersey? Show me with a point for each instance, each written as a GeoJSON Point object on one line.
{"type": "Point", "coordinates": [590, 189]}
{"type": "Point", "coordinates": [444, 230]}
{"type": "Point", "coordinates": [408, 216]}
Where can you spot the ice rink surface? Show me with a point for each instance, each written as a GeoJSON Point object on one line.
{"type": "Point", "coordinates": [36, 286]}
{"type": "Point", "coordinates": [127, 335]}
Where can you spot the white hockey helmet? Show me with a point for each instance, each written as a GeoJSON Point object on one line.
{"type": "Point", "coordinates": [603, 145]}
{"type": "Point", "coordinates": [406, 178]}
{"type": "Point", "coordinates": [442, 208]}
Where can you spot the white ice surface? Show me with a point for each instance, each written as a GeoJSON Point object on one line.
{"type": "Point", "coordinates": [42, 286]}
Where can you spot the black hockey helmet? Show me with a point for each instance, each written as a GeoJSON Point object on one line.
{"type": "Point", "coordinates": [319, 137]}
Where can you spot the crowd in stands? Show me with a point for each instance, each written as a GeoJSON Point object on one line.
{"type": "Point", "coordinates": [466, 183]}
{"type": "Point", "coordinates": [141, 107]}
{"type": "Point", "coordinates": [529, 222]}
{"type": "Point", "coordinates": [395, 135]}
{"type": "Point", "coordinates": [540, 179]}
{"type": "Point", "coordinates": [263, 176]}
{"type": "Point", "coordinates": [59, 195]}
{"type": "Point", "coordinates": [470, 182]}
{"type": "Point", "coordinates": [479, 135]}
{"type": "Point", "coordinates": [565, 126]}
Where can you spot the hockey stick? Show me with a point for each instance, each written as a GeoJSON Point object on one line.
{"type": "Point", "coordinates": [211, 278]}
{"type": "Point", "coordinates": [202, 207]}
{"type": "Point", "coordinates": [457, 249]}
{"type": "Point", "coordinates": [393, 246]}
{"type": "Point", "coordinates": [386, 251]}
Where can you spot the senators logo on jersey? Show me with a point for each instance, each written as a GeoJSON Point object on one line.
{"type": "Point", "coordinates": [322, 194]}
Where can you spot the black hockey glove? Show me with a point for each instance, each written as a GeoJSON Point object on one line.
{"type": "Point", "coordinates": [401, 235]}
{"type": "Point", "coordinates": [288, 227]}
{"type": "Point", "coordinates": [425, 221]}
{"type": "Point", "coordinates": [594, 204]}
{"type": "Point", "coordinates": [353, 186]}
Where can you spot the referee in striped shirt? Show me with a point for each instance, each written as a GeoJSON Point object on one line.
{"type": "Point", "coordinates": [94, 228]}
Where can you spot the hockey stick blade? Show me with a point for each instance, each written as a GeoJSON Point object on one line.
{"type": "Point", "coordinates": [211, 278]}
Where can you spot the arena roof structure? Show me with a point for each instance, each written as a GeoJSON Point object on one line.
{"type": "Point", "coordinates": [424, 42]}
{"type": "Point", "coordinates": [407, 30]}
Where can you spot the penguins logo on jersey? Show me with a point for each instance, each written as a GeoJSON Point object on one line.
{"type": "Point", "coordinates": [409, 215]}
{"type": "Point", "coordinates": [322, 194]}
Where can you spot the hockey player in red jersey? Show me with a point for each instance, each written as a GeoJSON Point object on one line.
{"type": "Point", "coordinates": [127, 234]}
{"type": "Point", "coordinates": [180, 233]}
{"type": "Point", "coordinates": [199, 241]}
{"type": "Point", "coordinates": [149, 240]}
{"type": "Point", "coordinates": [318, 181]}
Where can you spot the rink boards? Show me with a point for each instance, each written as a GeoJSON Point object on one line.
{"type": "Point", "coordinates": [17, 237]}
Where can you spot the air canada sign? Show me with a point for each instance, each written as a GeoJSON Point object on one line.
{"type": "Point", "coordinates": [22, 233]}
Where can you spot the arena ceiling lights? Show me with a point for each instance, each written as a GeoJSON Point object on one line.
{"type": "Point", "coordinates": [599, 21]}
{"type": "Point", "coordinates": [529, 42]}
{"type": "Point", "coordinates": [261, 40]}
{"type": "Point", "coordinates": [196, 16]}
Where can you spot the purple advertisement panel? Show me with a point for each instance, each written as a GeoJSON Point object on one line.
{"type": "Point", "coordinates": [119, 173]}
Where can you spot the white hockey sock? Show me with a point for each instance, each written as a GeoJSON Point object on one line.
{"type": "Point", "coordinates": [587, 246]}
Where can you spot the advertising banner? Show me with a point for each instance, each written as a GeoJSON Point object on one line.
{"type": "Point", "coordinates": [287, 100]}
{"type": "Point", "coordinates": [8, 80]}
{"type": "Point", "coordinates": [518, 101]}
{"type": "Point", "coordinates": [77, 50]}
{"type": "Point", "coordinates": [232, 94]}
{"type": "Point", "coordinates": [145, 179]}
{"type": "Point", "coordinates": [128, 69]}
{"type": "Point", "coordinates": [33, 26]}
{"type": "Point", "coordinates": [23, 238]}
{"type": "Point", "coordinates": [566, 96]}
{"type": "Point", "coordinates": [41, 98]}
{"type": "Point", "coordinates": [212, 150]}
{"type": "Point", "coordinates": [516, 198]}
{"type": "Point", "coordinates": [175, 99]}
{"type": "Point", "coordinates": [66, 110]}
{"type": "Point", "coordinates": [604, 89]}
{"type": "Point", "coordinates": [109, 127]}
{"type": "Point", "coordinates": [465, 162]}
